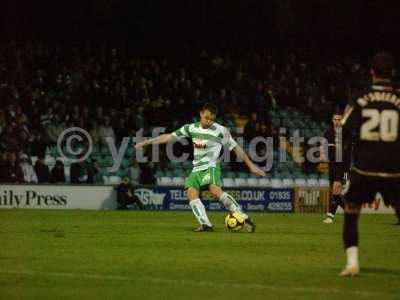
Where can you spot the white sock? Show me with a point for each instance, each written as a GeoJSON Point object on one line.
{"type": "Point", "coordinates": [352, 256]}
{"type": "Point", "coordinates": [230, 204]}
{"type": "Point", "coordinates": [199, 211]}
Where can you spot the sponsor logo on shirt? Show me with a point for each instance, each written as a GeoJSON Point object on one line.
{"type": "Point", "coordinates": [199, 146]}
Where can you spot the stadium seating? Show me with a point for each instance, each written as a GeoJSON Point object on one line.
{"type": "Point", "coordinates": [288, 182]}
{"type": "Point", "coordinates": [165, 181]}
{"type": "Point", "coordinates": [291, 116]}
{"type": "Point", "coordinates": [67, 172]}
{"type": "Point", "coordinates": [265, 182]}
{"type": "Point", "coordinates": [276, 183]}
{"type": "Point", "coordinates": [228, 182]}
{"type": "Point", "coordinates": [114, 180]}
{"type": "Point", "coordinates": [178, 181]}
{"type": "Point", "coordinates": [253, 182]}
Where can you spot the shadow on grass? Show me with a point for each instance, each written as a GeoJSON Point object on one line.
{"type": "Point", "coordinates": [381, 271]}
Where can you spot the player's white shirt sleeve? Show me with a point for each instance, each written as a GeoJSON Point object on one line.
{"type": "Point", "coordinates": [181, 132]}
{"type": "Point", "coordinates": [228, 140]}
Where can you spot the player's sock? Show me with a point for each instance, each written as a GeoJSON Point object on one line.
{"type": "Point", "coordinates": [336, 201]}
{"type": "Point", "coordinates": [350, 238]}
{"type": "Point", "coordinates": [230, 204]}
{"type": "Point", "coordinates": [341, 201]}
{"type": "Point", "coordinates": [398, 214]}
{"type": "Point", "coordinates": [199, 211]}
{"type": "Point", "coordinates": [352, 256]}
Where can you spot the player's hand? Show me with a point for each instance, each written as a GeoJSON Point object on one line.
{"type": "Point", "coordinates": [140, 145]}
{"type": "Point", "coordinates": [257, 171]}
{"type": "Point", "coordinates": [323, 158]}
{"type": "Point", "coordinates": [336, 188]}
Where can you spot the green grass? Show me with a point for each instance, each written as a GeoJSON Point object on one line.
{"type": "Point", "coordinates": [155, 255]}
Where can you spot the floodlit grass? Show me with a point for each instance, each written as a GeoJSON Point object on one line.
{"type": "Point", "coordinates": [155, 255]}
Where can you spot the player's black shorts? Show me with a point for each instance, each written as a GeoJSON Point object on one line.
{"type": "Point", "coordinates": [336, 176]}
{"type": "Point", "coordinates": [336, 173]}
{"type": "Point", "coordinates": [364, 188]}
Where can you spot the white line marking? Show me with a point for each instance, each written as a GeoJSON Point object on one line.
{"type": "Point", "coordinates": [257, 286]}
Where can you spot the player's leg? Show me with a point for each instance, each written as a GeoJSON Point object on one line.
{"type": "Point", "coordinates": [350, 238]}
{"type": "Point", "coordinates": [138, 202]}
{"type": "Point", "coordinates": [390, 191]}
{"type": "Point", "coordinates": [361, 190]}
{"type": "Point", "coordinates": [212, 179]}
{"type": "Point", "coordinates": [232, 206]}
{"type": "Point", "coordinates": [193, 186]}
{"type": "Point", "coordinates": [397, 210]}
{"type": "Point", "coordinates": [227, 200]}
{"type": "Point", "coordinates": [198, 209]}
{"type": "Point", "coordinates": [335, 201]}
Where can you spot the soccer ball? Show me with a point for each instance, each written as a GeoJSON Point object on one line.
{"type": "Point", "coordinates": [234, 222]}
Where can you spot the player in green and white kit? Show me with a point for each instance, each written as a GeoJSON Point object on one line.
{"type": "Point", "coordinates": [208, 139]}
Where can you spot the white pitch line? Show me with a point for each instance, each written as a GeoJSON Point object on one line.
{"type": "Point", "coordinates": [196, 282]}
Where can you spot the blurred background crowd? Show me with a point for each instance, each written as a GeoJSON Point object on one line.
{"type": "Point", "coordinates": [101, 88]}
{"type": "Point", "coordinates": [109, 68]}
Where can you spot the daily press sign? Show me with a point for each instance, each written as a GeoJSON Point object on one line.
{"type": "Point", "coordinates": [154, 198]}
{"type": "Point", "coordinates": [251, 199]}
{"type": "Point", "coordinates": [57, 197]}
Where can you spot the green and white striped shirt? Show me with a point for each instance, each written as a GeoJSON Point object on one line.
{"type": "Point", "coordinates": [207, 143]}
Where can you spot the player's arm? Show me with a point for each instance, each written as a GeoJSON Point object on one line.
{"type": "Point", "coordinates": [350, 119]}
{"type": "Point", "coordinates": [161, 139]}
{"type": "Point", "coordinates": [243, 156]}
{"type": "Point", "coordinates": [166, 138]}
{"type": "Point", "coordinates": [323, 149]}
{"type": "Point", "coordinates": [229, 142]}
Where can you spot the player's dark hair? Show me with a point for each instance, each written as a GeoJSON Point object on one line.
{"type": "Point", "coordinates": [212, 108]}
{"type": "Point", "coordinates": [383, 64]}
{"type": "Point", "coordinates": [337, 111]}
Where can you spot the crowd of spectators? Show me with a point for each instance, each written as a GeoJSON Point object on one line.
{"type": "Point", "coordinates": [45, 89]}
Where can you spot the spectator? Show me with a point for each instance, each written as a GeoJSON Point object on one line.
{"type": "Point", "coordinates": [20, 117]}
{"type": "Point", "coordinates": [126, 195]}
{"type": "Point", "coordinates": [24, 141]}
{"type": "Point", "coordinates": [3, 166]}
{"type": "Point", "coordinates": [121, 131]}
{"type": "Point", "coordinates": [14, 172]}
{"type": "Point", "coordinates": [54, 129]}
{"type": "Point", "coordinates": [3, 121]}
{"type": "Point", "coordinates": [106, 131]}
{"type": "Point", "coordinates": [78, 173]}
{"type": "Point", "coordinates": [252, 127]}
{"type": "Point", "coordinates": [57, 173]}
{"type": "Point", "coordinates": [42, 170]}
{"type": "Point", "coordinates": [46, 118]}
{"type": "Point", "coordinates": [27, 169]}
{"type": "Point", "coordinates": [93, 172]}
{"type": "Point", "coordinates": [9, 138]}
{"type": "Point", "coordinates": [95, 133]}
{"type": "Point", "coordinates": [56, 92]}
{"type": "Point", "coordinates": [147, 174]}
{"type": "Point", "coordinates": [38, 146]}
{"type": "Point", "coordinates": [99, 113]}
{"type": "Point", "coordinates": [134, 172]}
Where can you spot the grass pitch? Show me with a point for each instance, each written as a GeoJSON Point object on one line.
{"type": "Point", "coordinates": [155, 255]}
